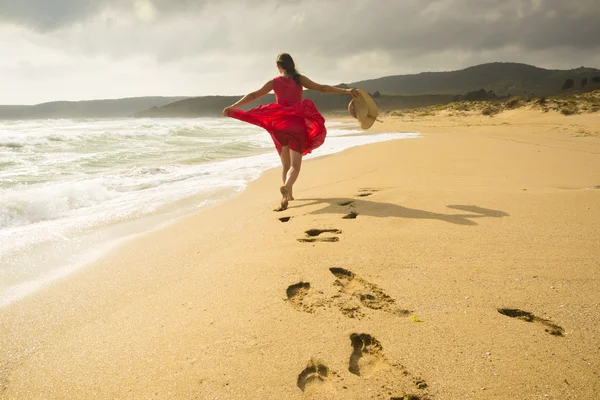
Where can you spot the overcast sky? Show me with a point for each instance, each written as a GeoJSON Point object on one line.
{"type": "Point", "coordinates": [92, 49]}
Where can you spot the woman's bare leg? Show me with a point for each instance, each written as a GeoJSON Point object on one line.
{"type": "Point", "coordinates": [284, 155]}
{"type": "Point", "coordinates": [294, 171]}
{"type": "Point", "coordinates": [291, 177]}
{"type": "Point", "coordinates": [285, 164]}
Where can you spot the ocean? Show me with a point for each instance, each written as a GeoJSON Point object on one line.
{"type": "Point", "coordinates": [70, 190]}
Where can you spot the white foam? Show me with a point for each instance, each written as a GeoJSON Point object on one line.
{"type": "Point", "coordinates": [69, 180]}
{"type": "Point", "coordinates": [28, 205]}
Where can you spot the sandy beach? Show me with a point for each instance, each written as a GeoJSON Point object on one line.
{"type": "Point", "coordinates": [464, 264]}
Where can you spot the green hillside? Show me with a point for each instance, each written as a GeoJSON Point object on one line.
{"type": "Point", "coordinates": [498, 80]}
{"type": "Point", "coordinates": [212, 106]}
{"type": "Point", "coordinates": [502, 78]}
{"type": "Point", "coordinates": [492, 81]}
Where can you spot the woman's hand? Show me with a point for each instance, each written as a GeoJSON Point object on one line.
{"type": "Point", "coordinates": [227, 109]}
{"type": "Point", "coordinates": [354, 92]}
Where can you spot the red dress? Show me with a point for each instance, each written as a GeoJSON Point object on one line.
{"type": "Point", "coordinates": [291, 121]}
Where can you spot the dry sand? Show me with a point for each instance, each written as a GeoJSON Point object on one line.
{"type": "Point", "coordinates": [480, 214]}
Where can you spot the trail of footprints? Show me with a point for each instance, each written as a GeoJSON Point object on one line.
{"type": "Point", "coordinates": [367, 359]}
{"type": "Point", "coordinates": [314, 235]}
{"type": "Point", "coordinates": [354, 293]}
{"type": "Point", "coordinates": [352, 215]}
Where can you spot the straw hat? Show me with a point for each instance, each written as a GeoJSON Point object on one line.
{"type": "Point", "coordinates": [364, 109]}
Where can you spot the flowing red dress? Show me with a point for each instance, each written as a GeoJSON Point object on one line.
{"type": "Point", "coordinates": [291, 121]}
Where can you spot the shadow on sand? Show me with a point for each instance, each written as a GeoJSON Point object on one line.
{"type": "Point", "coordinates": [375, 209]}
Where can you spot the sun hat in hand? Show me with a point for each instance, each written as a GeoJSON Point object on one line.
{"type": "Point", "coordinates": [364, 109]}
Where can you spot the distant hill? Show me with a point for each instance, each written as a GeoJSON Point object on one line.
{"type": "Point", "coordinates": [205, 106]}
{"type": "Point", "coordinates": [481, 82]}
{"type": "Point", "coordinates": [501, 78]}
{"type": "Point", "coordinates": [486, 81]}
{"type": "Point", "coordinates": [212, 106]}
{"type": "Point", "coordinates": [86, 109]}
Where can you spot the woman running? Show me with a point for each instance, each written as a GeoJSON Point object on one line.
{"type": "Point", "coordinates": [295, 125]}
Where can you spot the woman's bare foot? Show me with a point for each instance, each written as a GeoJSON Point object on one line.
{"type": "Point", "coordinates": [285, 197]}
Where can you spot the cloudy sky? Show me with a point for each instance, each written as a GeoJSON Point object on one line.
{"type": "Point", "coordinates": [92, 49]}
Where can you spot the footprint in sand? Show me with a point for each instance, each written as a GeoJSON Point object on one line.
{"type": "Point", "coordinates": [380, 378]}
{"type": "Point", "coordinates": [303, 298]}
{"type": "Point", "coordinates": [316, 379]}
{"type": "Point", "coordinates": [315, 240]}
{"type": "Point", "coordinates": [355, 291]}
{"type": "Point", "coordinates": [367, 355]}
{"type": "Point", "coordinates": [549, 326]}
{"type": "Point", "coordinates": [354, 294]}
{"type": "Point", "coordinates": [365, 192]}
{"type": "Point", "coordinates": [368, 361]}
{"type": "Point", "coordinates": [296, 294]}
{"type": "Point", "coordinates": [285, 219]}
{"type": "Point", "coordinates": [317, 232]}
{"type": "Point", "coordinates": [352, 215]}
{"type": "Point", "coordinates": [314, 233]}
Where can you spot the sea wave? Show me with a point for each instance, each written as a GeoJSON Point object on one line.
{"type": "Point", "coordinates": [28, 205]}
{"type": "Point", "coordinates": [63, 180]}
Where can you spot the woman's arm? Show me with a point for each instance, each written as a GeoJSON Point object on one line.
{"type": "Point", "coordinates": [250, 97]}
{"type": "Point", "coordinates": [307, 83]}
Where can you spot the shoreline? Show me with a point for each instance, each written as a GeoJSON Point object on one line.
{"type": "Point", "coordinates": [473, 218]}
{"type": "Point", "coordinates": [125, 231]}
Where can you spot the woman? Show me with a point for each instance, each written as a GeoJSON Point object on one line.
{"type": "Point", "coordinates": [295, 125]}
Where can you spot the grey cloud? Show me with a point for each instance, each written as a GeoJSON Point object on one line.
{"type": "Point", "coordinates": [228, 46]}
{"type": "Point", "coordinates": [47, 15]}
{"type": "Point", "coordinates": [320, 28]}
{"type": "Point", "coordinates": [334, 28]}
{"type": "Point", "coordinates": [415, 27]}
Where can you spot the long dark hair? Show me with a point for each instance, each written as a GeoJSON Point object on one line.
{"type": "Point", "coordinates": [286, 62]}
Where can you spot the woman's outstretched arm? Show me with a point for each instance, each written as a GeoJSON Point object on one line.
{"type": "Point", "coordinates": [250, 97]}
{"type": "Point", "coordinates": [307, 83]}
